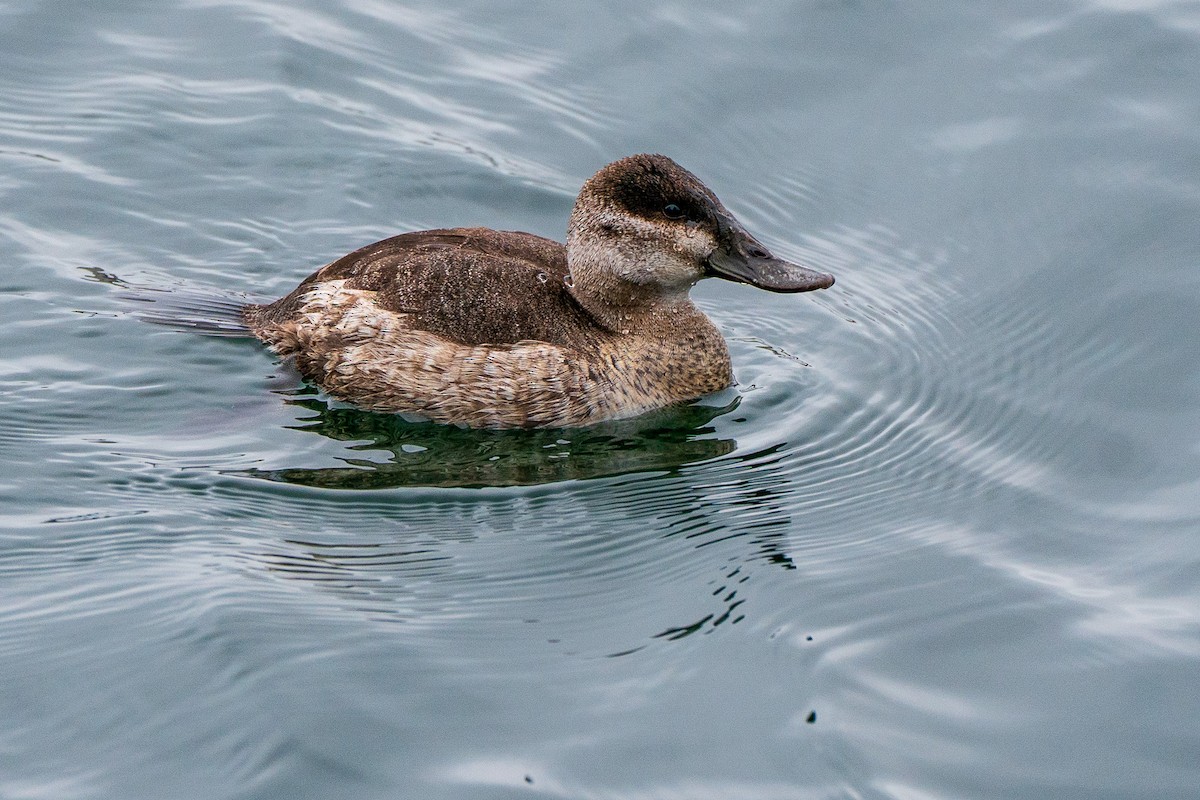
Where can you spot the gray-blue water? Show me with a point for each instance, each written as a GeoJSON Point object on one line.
{"type": "Point", "coordinates": [943, 543]}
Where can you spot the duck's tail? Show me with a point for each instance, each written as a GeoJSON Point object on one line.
{"type": "Point", "coordinates": [208, 312]}
{"type": "Point", "coordinates": [203, 310]}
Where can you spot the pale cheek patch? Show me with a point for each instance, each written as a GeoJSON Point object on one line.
{"type": "Point", "coordinates": [647, 253]}
{"type": "Point", "coordinates": [697, 243]}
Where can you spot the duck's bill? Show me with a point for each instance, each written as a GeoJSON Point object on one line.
{"type": "Point", "coordinates": [740, 257]}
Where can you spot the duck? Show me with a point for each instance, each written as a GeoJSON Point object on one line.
{"type": "Point", "coordinates": [485, 328]}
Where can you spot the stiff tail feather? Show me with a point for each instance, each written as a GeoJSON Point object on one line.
{"type": "Point", "coordinates": [207, 312]}
{"type": "Point", "coordinates": [203, 310]}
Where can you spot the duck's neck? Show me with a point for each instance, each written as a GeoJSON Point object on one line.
{"type": "Point", "coordinates": [623, 311]}
{"type": "Point", "coordinates": [621, 303]}
{"type": "Point", "coordinates": [664, 351]}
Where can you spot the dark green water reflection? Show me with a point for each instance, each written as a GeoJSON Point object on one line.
{"type": "Point", "coordinates": [444, 455]}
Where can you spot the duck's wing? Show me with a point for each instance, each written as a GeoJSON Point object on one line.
{"type": "Point", "coordinates": [470, 286]}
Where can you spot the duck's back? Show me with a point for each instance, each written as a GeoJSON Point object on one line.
{"type": "Point", "coordinates": [469, 286]}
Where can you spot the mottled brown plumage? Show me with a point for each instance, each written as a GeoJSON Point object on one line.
{"type": "Point", "coordinates": [506, 329]}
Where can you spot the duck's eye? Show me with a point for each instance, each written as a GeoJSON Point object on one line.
{"type": "Point", "coordinates": [673, 211]}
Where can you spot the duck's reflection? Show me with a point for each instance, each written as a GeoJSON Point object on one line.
{"type": "Point", "coordinates": [426, 563]}
{"type": "Point", "coordinates": [423, 454]}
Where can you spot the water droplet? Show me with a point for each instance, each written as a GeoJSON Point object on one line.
{"type": "Point", "coordinates": [543, 277]}
{"type": "Point", "coordinates": [569, 281]}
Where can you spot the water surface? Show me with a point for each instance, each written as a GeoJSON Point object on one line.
{"type": "Point", "coordinates": [940, 542]}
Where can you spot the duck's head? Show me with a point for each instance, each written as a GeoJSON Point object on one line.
{"type": "Point", "coordinates": [645, 229]}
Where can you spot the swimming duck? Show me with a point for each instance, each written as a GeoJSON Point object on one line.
{"type": "Point", "coordinates": [503, 329]}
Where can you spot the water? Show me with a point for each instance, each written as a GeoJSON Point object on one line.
{"type": "Point", "coordinates": [941, 542]}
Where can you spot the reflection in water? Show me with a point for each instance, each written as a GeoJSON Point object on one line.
{"type": "Point", "coordinates": [423, 454]}
{"type": "Point", "coordinates": [709, 515]}
{"type": "Point", "coordinates": [734, 502]}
